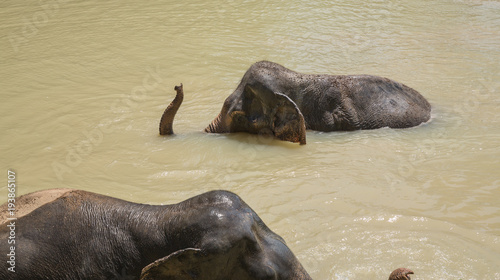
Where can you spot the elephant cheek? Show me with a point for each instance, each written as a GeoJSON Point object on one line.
{"type": "Point", "coordinates": [291, 132]}
{"type": "Point", "coordinates": [289, 125]}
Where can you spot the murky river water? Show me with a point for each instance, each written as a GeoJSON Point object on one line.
{"type": "Point", "coordinates": [84, 83]}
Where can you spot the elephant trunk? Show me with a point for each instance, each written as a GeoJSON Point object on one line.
{"type": "Point", "coordinates": [216, 126]}
{"type": "Point", "coordinates": [167, 119]}
{"type": "Point", "coordinates": [400, 274]}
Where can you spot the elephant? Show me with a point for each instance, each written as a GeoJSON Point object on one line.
{"type": "Point", "coordinates": [274, 100]}
{"type": "Point", "coordinates": [75, 234]}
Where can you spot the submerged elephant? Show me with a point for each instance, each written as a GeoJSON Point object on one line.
{"type": "Point", "coordinates": [274, 100]}
{"type": "Point", "coordinates": [74, 234]}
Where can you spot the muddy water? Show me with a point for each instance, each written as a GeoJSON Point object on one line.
{"type": "Point", "coordinates": [84, 83]}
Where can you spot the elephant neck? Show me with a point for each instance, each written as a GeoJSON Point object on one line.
{"type": "Point", "coordinates": [149, 232]}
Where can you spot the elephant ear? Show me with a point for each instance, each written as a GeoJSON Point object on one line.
{"type": "Point", "coordinates": [184, 264]}
{"type": "Point", "coordinates": [282, 114]}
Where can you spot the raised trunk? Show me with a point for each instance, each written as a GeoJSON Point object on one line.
{"type": "Point", "coordinates": [167, 119]}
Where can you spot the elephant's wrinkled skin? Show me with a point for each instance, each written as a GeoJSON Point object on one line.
{"type": "Point", "coordinates": [73, 234]}
{"type": "Point", "coordinates": [272, 99]}
{"type": "Point", "coordinates": [401, 274]}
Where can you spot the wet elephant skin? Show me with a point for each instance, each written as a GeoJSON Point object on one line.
{"type": "Point", "coordinates": [75, 234]}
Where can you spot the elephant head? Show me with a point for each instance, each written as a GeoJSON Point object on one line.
{"type": "Point", "coordinates": [252, 108]}
{"type": "Point", "coordinates": [256, 109]}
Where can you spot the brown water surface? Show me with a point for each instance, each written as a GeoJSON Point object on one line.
{"type": "Point", "coordinates": [84, 83]}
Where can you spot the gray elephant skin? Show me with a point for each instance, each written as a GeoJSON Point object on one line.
{"type": "Point", "coordinates": [326, 102]}
{"type": "Point", "coordinates": [74, 234]}
{"type": "Point", "coordinates": [277, 101]}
